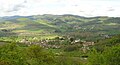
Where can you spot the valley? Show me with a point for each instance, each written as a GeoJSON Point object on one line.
{"type": "Point", "coordinates": [59, 40]}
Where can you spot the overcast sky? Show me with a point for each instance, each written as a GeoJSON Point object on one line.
{"type": "Point", "coordinates": [77, 7]}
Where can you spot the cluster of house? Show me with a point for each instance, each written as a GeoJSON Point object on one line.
{"type": "Point", "coordinates": [45, 44]}
{"type": "Point", "coordinates": [42, 43]}
{"type": "Point", "coordinates": [85, 44]}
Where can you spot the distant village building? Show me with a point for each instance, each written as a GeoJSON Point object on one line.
{"type": "Point", "coordinates": [25, 41]}
{"type": "Point", "coordinates": [88, 43]}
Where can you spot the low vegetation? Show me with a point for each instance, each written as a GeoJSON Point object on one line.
{"type": "Point", "coordinates": [102, 53]}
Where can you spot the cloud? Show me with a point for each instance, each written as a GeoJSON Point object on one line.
{"type": "Point", "coordinates": [110, 9]}
{"type": "Point", "coordinates": [25, 1]}
{"type": "Point", "coordinates": [77, 7]}
{"type": "Point", "coordinates": [16, 8]}
{"type": "Point", "coordinates": [9, 7]}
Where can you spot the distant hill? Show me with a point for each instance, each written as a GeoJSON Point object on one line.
{"type": "Point", "coordinates": [57, 25]}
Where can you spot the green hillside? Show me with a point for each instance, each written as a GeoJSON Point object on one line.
{"type": "Point", "coordinates": [60, 25]}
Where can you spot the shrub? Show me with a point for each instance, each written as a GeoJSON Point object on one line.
{"type": "Point", "coordinates": [110, 56]}
{"type": "Point", "coordinates": [71, 48]}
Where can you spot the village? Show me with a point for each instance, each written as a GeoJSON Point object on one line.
{"type": "Point", "coordinates": [59, 42]}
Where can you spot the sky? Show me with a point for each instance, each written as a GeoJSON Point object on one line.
{"type": "Point", "coordinates": [88, 8]}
